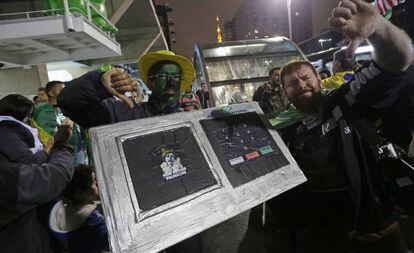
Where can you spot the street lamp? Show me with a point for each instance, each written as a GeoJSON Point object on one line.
{"type": "Point", "coordinates": [323, 41]}
{"type": "Point", "coordinates": [289, 18]}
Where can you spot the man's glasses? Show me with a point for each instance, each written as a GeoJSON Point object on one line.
{"type": "Point", "coordinates": [165, 77]}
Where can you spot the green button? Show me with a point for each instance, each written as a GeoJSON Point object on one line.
{"type": "Point", "coordinates": [266, 150]}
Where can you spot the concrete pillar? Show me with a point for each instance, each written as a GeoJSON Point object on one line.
{"type": "Point", "coordinates": [43, 76]}
{"type": "Point", "coordinates": [23, 81]}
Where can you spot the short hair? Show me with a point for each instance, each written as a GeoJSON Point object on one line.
{"type": "Point", "coordinates": [345, 62]}
{"type": "Point", "coordinates": [35, 98]}
{"type": "Point", "coordinates": [327, 72]}
{"type": "Point", "coordinates": [293, 66]}
{"type": "Point", "coordinates": [42, 89]}
{"type": "Point", "coordinates": [273, 70]}
{"type": "Point", "coordinates": [51, 85]}
{"type": "Point", "coordinates": [16, 106]}
{"type": "Point", "coordinates": [158, 65]}
{"type": "Point", "coordinates": [81, 181]}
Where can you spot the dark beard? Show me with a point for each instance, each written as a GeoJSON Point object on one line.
{"type": "Point", "coordinates": [316, 101]}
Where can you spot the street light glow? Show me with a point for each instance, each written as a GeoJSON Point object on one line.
{"type": "Point", "coordinates": [276, 39]}
{"type": "Point", "coordinates": [289, 18]}
{"type": "Point", "coordinates": [363, 49]}
{"type": "Point", "coordinates": [323, 41]}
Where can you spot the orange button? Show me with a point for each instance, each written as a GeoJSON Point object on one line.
{"type": "Point", "coordinates": [252, 155]}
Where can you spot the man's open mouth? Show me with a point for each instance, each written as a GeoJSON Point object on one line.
{"type": "Point", "coordinates": [170, 91]}
{"type": "Point", "coordinates": [305, 93]}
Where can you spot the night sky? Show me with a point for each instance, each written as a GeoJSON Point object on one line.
{"type": "Point", "coordinates": [195, 21]}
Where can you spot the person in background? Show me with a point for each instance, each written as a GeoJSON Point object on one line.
{"type": "Point", "coordinates": [190, 101]}
{"type": "Point", "coordinates": [42, 95]}
{"type": "Point", "coordinates": [270, 96]}
{"type": "Point", "coordinates": [18, 141]}
{"type": "Point", "coordinates": [48, 116]}
{"type": "Point", "coordinates": [36, 100]}
{"type": "Point", "coordinates": [75, 221]}
{"type": "Point", "coordinates": [324, 74]}
{"type": "Point", "coordinates": [238, 96]}
{"type": "Point", "coordinates": [25, 188]}
{"type": "Point", "coordinates": [204, 96]}
{"type": "Point", "coordinates": [343, 69]}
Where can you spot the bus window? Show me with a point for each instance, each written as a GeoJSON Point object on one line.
{"type": "Point", "coordinates": [234, 70]}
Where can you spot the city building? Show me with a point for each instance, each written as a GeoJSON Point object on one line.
{"type": "Point", "coordinates": [229, 31]}
{"type": "Point", "coordinates": [268, 18]}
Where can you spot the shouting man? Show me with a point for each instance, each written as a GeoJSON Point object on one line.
{"type": "Point", "coordinates": [346, 140]}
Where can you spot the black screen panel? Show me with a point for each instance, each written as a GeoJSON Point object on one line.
{"type": "Point", "coordinates": [244, 147]}
{"type": "Point", "coordinates": [166, 166]}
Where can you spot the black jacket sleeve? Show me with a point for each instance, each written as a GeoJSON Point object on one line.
{"type": "Point", "coordinates": [82, 100]}
{"type": "Point", "coordinates": [372, 87]}
{"type": "Point", "coordinates": [40, 184]}
{"type": "Point", "coordinates": [375, 94]}
{"type": "Point", "coordinates": [26, 186]}
{"type": "Point", "coordinates": [86, 101]}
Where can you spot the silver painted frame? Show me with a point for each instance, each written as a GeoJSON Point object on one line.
{"type": "Point", "coordinates": [131, 230]}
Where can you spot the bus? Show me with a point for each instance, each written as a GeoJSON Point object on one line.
{"type": "Point", "coordinates": [234, 70]}
{"type": "Point", "coordinates": [323, 60]}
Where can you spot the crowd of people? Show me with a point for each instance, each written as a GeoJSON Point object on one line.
{"type": "Point", "coordinates": [349, 133]}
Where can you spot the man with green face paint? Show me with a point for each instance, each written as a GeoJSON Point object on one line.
{"type": "Point", "coordinates": [90, 100]}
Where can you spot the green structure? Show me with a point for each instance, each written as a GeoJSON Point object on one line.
{"type": "Point", "coordinates": [98, 13]}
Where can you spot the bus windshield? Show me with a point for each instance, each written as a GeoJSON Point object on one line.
{"type": "Point", "coordinates": [223, 69]}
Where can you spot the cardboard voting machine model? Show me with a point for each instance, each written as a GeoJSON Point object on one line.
{"type": "Point", "coordinates": [165, 179]}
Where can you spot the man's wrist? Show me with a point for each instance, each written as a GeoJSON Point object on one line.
{"type": "Point", "coordinates": [103, 90]}
{"type": "Point", "coordinates": [380, 25]}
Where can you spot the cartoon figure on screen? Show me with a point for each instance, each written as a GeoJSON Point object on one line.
{"type": "Point", "coordinates": [171, 166]}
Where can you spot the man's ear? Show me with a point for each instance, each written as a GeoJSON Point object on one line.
{"type": "Point", "coordinates": [50, 94]}
{"type": "Point", "coordinates": [320, 82]}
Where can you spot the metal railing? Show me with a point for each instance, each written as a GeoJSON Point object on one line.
{"type": "Point", "coordinates": [67, 10]}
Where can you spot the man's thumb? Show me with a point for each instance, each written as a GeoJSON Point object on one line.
{"type": "Point", "coordinates": [126, 100]}
{"type": "Point", "coordinates": [352, 47]}
{"type": "Point", "coordinates": [107, 75]}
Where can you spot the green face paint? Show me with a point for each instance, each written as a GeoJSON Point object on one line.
{"type": "Point", "coordinates": [166, 84]}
